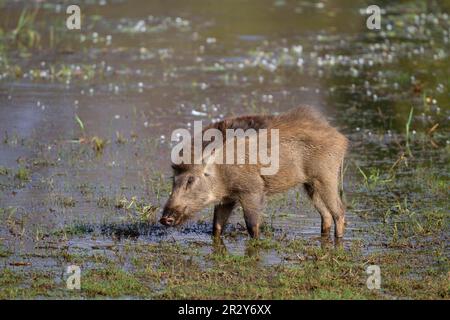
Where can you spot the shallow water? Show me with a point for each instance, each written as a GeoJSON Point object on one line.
{"type": "Point", "coordinates": [139, 69]}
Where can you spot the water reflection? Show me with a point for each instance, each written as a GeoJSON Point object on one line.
{"type": "Point", "coordinates": [256, 249]}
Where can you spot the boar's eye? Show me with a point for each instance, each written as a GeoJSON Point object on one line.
{"type": "Point", "coordinates": [206, 174]}
{"type": "Point", "coordinates": [190, 181]}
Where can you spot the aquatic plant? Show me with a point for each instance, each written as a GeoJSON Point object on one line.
{"type": "Point", "coordinates": [25, 34]}
{"type": "Point", "coordinates": [80, 123]}
{"type": "Point", "coordinates": [137, 211]}
{"type": "Point", "coordinates": [23, 174]}
{"type": "Point", "coordinates": [408, 135]}
{"type": "Point", "coordinates": [98, 144]}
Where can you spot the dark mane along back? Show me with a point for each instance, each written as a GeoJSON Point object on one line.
{"type": "Point", "coordinates": [291, 121]}
{"type": "Point", "coordinates": [243, 122]}
{"type": "Point", "coordinates": [255, 122]}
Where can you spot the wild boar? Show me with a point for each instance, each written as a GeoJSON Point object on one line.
{"type": "Point", "coordinates": [311, 153]}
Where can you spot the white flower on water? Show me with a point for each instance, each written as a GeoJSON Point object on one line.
{"type": "Point", "coordinates": [298, 49]}
{"type": "Point", "coordinates": [198, 113]}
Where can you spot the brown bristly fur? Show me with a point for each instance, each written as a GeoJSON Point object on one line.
{"type": "Point", "coordinates": [311, 153]}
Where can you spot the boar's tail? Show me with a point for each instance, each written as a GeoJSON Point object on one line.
{"type": "Point", "coordinates": [341, 184]}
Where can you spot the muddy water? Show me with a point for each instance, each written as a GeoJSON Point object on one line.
{"type": "Point", "coordinates": [140, 69]}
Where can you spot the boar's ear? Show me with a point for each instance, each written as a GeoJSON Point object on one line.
{"type": "Point", "coordinates": [178, 168]}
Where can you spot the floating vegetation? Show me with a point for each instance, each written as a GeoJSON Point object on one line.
{"type": "Point", "coordinates": [138, 210]}
{"type": "Point", "coordinates": [98, 144]}
{"type": "Point", "coordinates": [23, 174]}
{"type": "Point", "coordinates": [153, 24]}
{"type": "Point", "coordinates": [3, 171]}
{"type": "Point", "coordinates": [65, 202]}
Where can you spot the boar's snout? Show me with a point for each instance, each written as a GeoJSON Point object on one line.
{"type": "Point", "coordinates": [167, 221]}
{"type": "Point", "coordinates": [171, 217]}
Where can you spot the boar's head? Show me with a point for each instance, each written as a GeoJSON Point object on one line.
{"type": "Point", "coordinates": [193, 189]}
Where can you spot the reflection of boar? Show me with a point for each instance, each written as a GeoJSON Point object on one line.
{"type": "Point", "coordinates": [311, 153]}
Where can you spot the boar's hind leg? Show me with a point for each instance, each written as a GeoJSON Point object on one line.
{"type": "Point", "coordinates": [252, 204]}
{"type": "Point", "coordinates": [329, 194]}
{"type": "Point", "coordinates": [325, 214]}
{"type": "Point", "coordinates": [221, 214]}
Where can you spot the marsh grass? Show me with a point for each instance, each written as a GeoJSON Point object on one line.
{"type": "Point", "coordinates": [407, 129]}
{"type": "Point", "coordinates": [65, 201]}
{"type": "Point", "coordinates": [22, 174]}
{"type": "Point", "coordinates": [25, 35]}
{"type": "Point", "coordinates": [3, 171]}
{"type": "Point", "coordinates": [374, 177]}
{"type": "Point", "coordinates": [138, 211]}
{"type": "Point", "coordinates": [80, 124]}
{"type": "Point", "coordinates": [4, 252]}
{"type": "Point", "coordinates": [98, 144]}
{"type": "Point", "coordinates": [112, 282]}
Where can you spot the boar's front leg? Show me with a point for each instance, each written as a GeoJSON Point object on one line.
{"type": "Point", "coordinates": [221, 214]}
{"type": "Point", "coordinates": [252, 204]}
